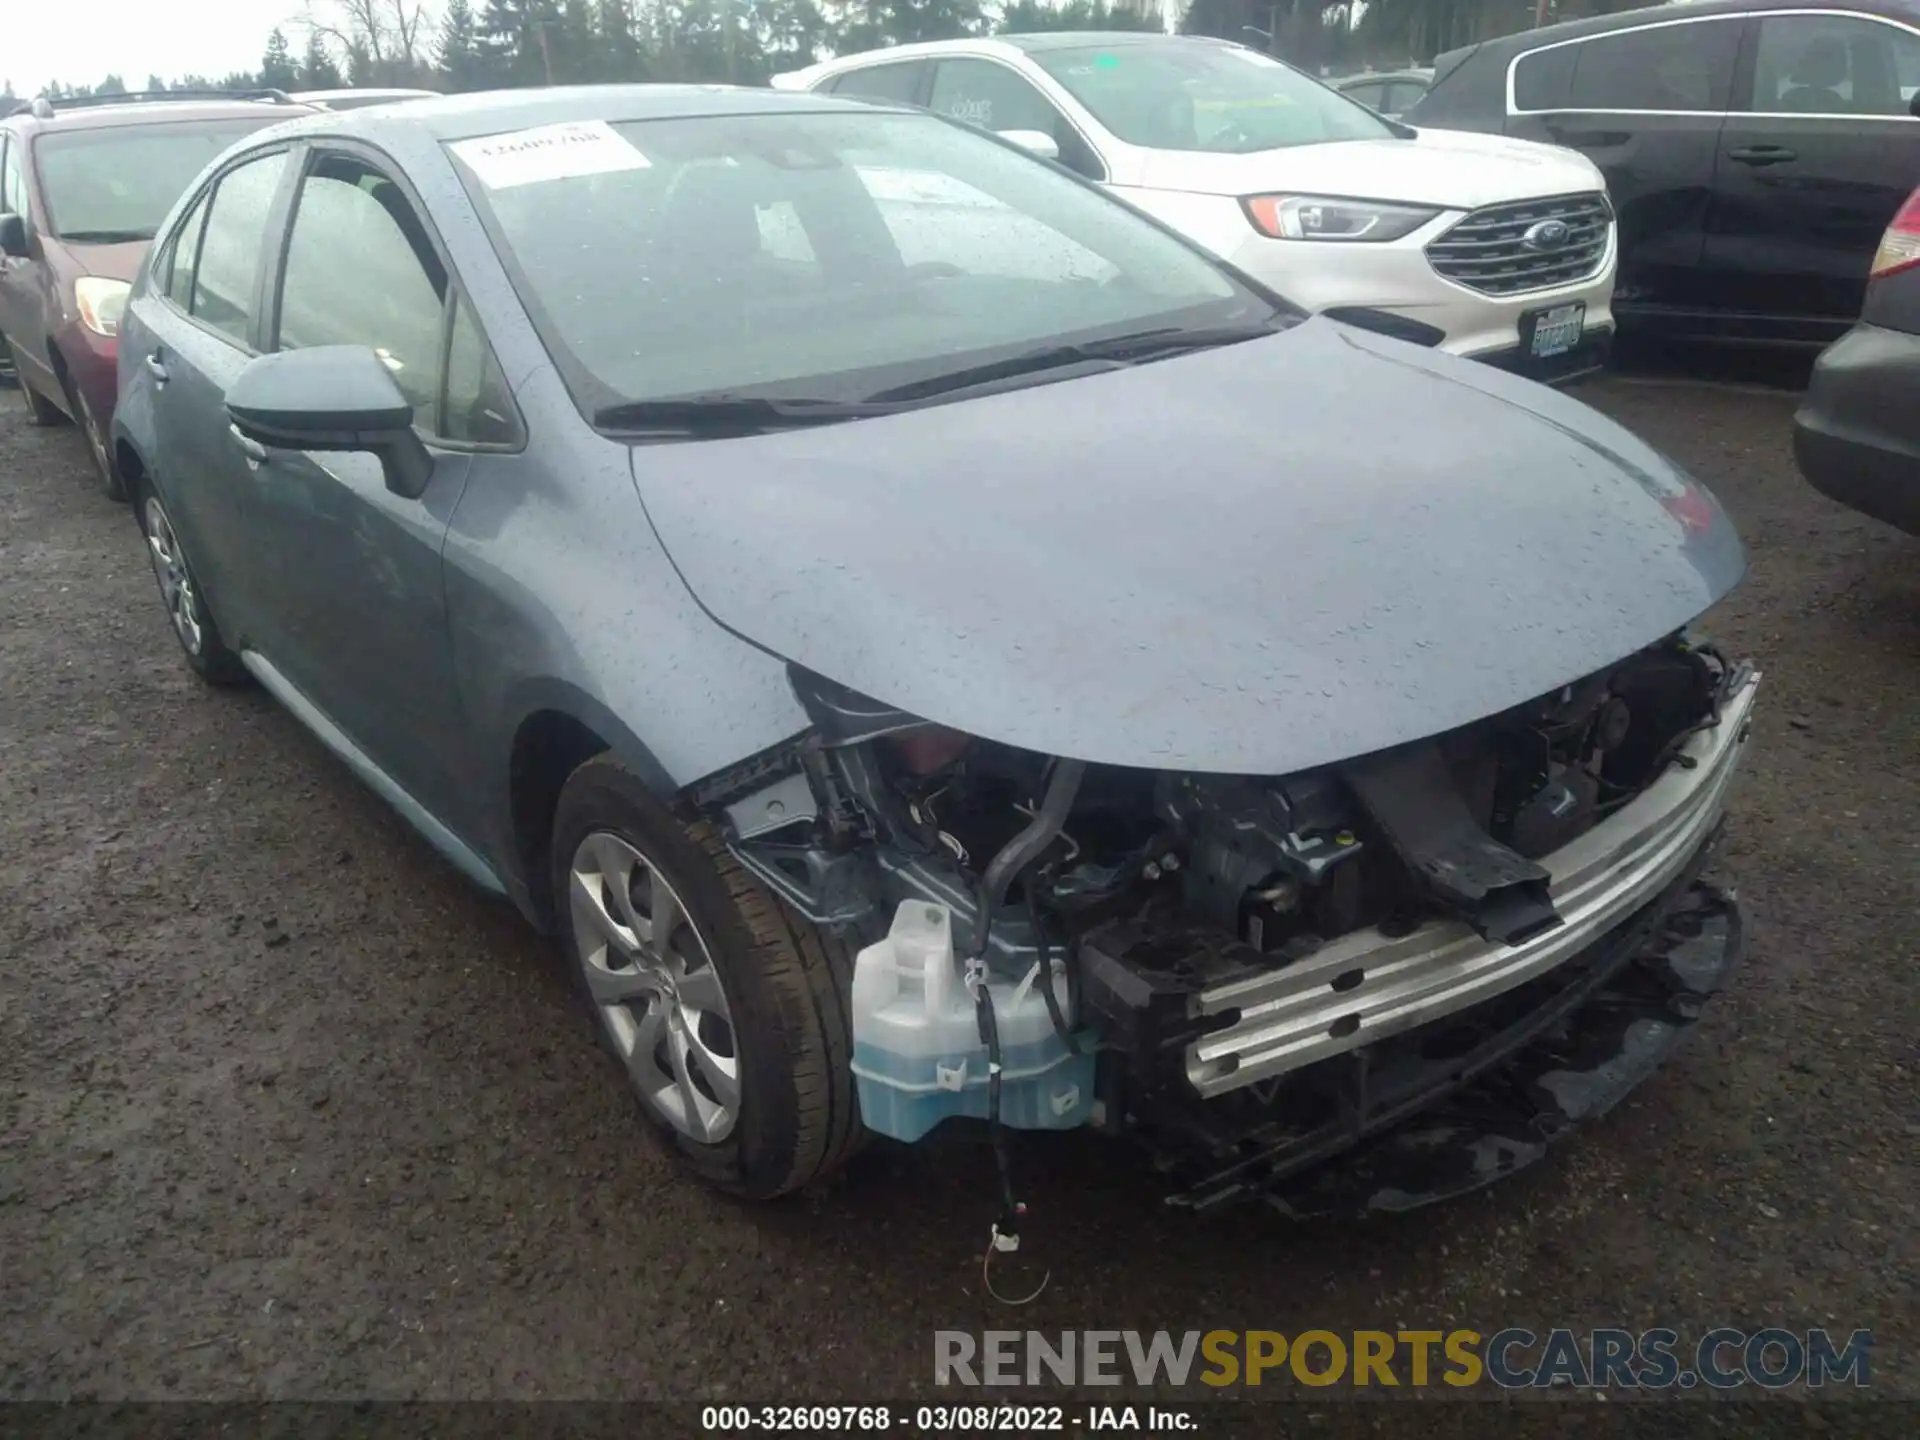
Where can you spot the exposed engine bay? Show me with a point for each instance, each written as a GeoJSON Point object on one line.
{"type": "Point", "coordinates": [1197, 923]}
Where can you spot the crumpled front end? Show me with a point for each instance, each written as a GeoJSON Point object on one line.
{"type": "Point", "coordinates": [1251, 974]}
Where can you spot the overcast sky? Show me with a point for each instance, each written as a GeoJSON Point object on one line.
{"type": "Point", "coordinates": [81, 41]}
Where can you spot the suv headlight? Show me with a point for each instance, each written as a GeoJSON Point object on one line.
{"type": "Point", "coordinates": [101, 303]}
{"type": "Point", "coordinates": [1320, 217]}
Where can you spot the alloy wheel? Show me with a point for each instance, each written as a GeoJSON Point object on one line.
{"type": "Point", "coordinates": [651, 976]}
{"type": "Point", "coordinates": [176, 583]}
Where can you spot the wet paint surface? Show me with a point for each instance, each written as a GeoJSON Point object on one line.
{"type": "Point", "coordinates": [1261, 558]}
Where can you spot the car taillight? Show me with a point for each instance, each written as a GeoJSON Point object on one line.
{"type": "Point", "coordinates": [1900, 246]}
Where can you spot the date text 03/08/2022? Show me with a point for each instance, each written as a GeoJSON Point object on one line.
{"type": "Point", "coordinates": [945, 1419]}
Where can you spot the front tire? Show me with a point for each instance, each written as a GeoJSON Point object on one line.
{"type": "Point", "coordinates": [207, 654]}
{"type": "Point", "coordinates": [727, 1012]}
{"type": "Point", "coordinates": [40, 410]}
{"type": "Point", "coordinates": [104, 469]}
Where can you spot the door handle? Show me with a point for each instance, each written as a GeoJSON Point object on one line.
{"type": "Point", "coordinates": [156, 369]}
{"type": "Point", "coordinates": [1762, 155]}
{"type": "Point", "coordinates": [255, 452]}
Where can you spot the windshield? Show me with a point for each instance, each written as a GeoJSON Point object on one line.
{"type": "Point", "coordinates": [830, 256]}
{"type": "Point", "coordinates": [1192, 95]}
{"type": "Point", "coordinates": [119, 183]}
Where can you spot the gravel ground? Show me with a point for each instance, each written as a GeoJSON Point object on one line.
{"type": "Point", "coordinates": [287, 1110]}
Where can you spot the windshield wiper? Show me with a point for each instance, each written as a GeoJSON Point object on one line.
{"type": "Point", "coordinates": [1111, 353]}
{"type": "Point", "coordinates": [105, 237]}
{"type": "Point", "coordinates": [706, 414]}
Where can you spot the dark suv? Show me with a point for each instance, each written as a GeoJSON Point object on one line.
{"type": "Point", "coordinates": [1755, 149]}
{"type": "Point", "coordinates": [83, 185]}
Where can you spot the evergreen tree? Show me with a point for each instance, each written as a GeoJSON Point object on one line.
{"type": "Point", "coordinates": [455, 57]}
{"type": "Point", "coordinates": [575, 44]}
{"type": "Point", "coordinates": [112, 85]}
{"type": "Point", "coordinates": [276, 66]}
{"type": "Point", "coordinates": [317, 70]}
{"type": "Point", "coordinates": [1025, 17]}
{"type": "Point", "coordinates": [789, 34]}
{"type": "Point", "coordinates": [621, 57]}
{"type": "Point", "coordinates": [508, 42]}
{"type": "Point", "coordinates": [910, 20]}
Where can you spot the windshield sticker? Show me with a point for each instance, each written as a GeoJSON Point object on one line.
{"type": "Point", "coordinates": [549, 152]}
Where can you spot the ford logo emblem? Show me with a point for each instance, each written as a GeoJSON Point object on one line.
{"type": "Point", "coordinates": [1547, 235]}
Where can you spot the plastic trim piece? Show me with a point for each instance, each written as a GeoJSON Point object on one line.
{"type": "Point", "coordinates": [1292, 1017]}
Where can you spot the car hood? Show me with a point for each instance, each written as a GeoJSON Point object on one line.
{"type": "Point", "coordinates": [112, 262]}
{"type": "Point", "coordinates": [1255, 559]}
{"type": "Point", "coordinates": [1458, 170]}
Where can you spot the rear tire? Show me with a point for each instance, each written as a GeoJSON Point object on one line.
{"type": "Point", "coordinates": [40, 410]}
{"type": "Point", "coordinates": [619, 860]}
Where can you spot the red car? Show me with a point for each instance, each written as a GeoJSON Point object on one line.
{"type": "Point", "coordinates": [83, 185]}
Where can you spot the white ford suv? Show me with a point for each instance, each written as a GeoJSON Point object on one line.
{"type": "Point", "coordinates": [1500, 250]}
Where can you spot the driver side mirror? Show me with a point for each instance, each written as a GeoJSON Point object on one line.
{"type": "Point", "coordinates": [1034, 142]}
{"type": "Point", "coordinates": [1913, 105]}
{"type": "Point", "coordinates": [13, 236]}
{"type": "Point", "coordinates": [332, 397]}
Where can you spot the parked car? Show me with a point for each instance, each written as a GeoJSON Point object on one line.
{"type": "Point", "coordinates": [1755, 149]}
{"type": "Point", "coordinates": [1495, 249]}
{"type": "Point", "coordinates": [1857, 434]}
{"type": "Point", "coordinates": [83, 183]}
{"type": "Point", "coordinates": [354, 99]}
{"type": "Point", "coordinates": [1391, 92]}
{"type": "Point", "coordinates": [772, 581]}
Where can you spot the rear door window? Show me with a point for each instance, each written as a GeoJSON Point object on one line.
{"type": "Point", "coordinates": [1683, 68]}
{"type": "Point", "coordinates": [1402, 96]}
{"type": "Point", "coordinates": [1543, 79]}
{"type": "Point", "coordinates": [179, 253]}
{"type": "Point", "coordinates": [898, 82]}
{"type": "Point", "coordinates": [225, 280]}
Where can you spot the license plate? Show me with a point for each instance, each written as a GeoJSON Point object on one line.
{"type": "Point", "coordinates": [1556, 331]}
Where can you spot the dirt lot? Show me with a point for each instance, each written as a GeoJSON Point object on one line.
{"type": "Point", "coordinates": [286, 1110]}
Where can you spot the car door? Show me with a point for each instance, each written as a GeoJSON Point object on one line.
{"type": "Point", "coordinates": [358, 596]}
{"type": "Point", "coordinates": [23, 277]}
{"type": "Point", "coordinates": [997, 97]}
{"type": "Point", "coordinates": [193, 332]}
{"type": "Point", "coordinates": [1814, 163]}
{"type": "Point", "coordinates": [1646, 104]}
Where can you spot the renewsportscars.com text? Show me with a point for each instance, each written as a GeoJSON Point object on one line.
{"type": "Point", "coordinates": [1606, 1358]}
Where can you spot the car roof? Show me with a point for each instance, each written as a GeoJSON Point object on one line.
{"type": "Point", "coordinates": [1078, 39]}
{"type": "Point", "coordinates": [349, 91]}
{"type": "Point", "coordinates": [1038, 43]}
{"type": "Point", "coordinates": [1656, 13]}
{"type": "Point", "coordinates": [151, 112]}
{"type": "Point", "coordinates": [489, 112]}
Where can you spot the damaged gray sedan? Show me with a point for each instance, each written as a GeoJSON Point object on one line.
{"type": "Point", "coordinates": [932, 643]}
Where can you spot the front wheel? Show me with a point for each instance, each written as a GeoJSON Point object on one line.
{"type": "Point", "coordinates": [727, 1012]}
{"type": "Point", "coordinates": [105, 471]}
{"type": "Point", "coordinates": [180, 592]}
